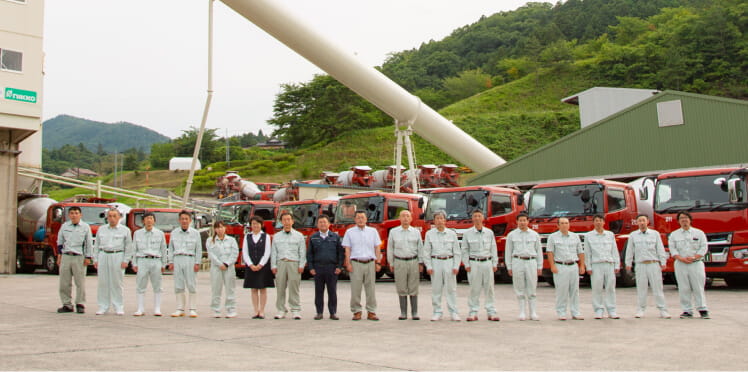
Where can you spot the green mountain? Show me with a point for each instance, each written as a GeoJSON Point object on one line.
{"type": "Point", "coordinates": [69, 130]}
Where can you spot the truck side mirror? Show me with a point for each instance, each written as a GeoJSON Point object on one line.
{"type": "Point", "coordinates": [420, 203]}
{"type": "Point", "coordinates": [735, 191]}
{"type": "Point", "coordinates": [520, 199]}
{"type": "Point", "coordinates": [643, 193]}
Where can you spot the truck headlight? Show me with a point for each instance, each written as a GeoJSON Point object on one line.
{"type": "Point", "coordinates": [740, 254]}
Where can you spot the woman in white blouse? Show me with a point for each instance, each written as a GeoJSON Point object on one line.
{"type": "Point", "coordinates": [257, 275]}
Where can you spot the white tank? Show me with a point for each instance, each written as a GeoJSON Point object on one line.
{"type": "Point", "coordinates": [282, 194]}
{"type": "Point", "coordinates": [32, 215]}
{"type": "Point", "coordinates": [248, 188]}
{"type": "Point", "coordinates": [380, 179]}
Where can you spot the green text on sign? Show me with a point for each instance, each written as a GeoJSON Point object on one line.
{"type": "Point", "coordinates": [20, 95]}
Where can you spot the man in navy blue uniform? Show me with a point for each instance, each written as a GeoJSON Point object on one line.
{"type": "Point", "coordinates": [325, 256]}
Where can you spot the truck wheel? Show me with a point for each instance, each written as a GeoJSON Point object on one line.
{"type": "Point", "coordinates": [22, 267]}
{"type": "Point", "coordinates": [380, 274]}
{"type": "Point", "coordinates": [240, 273]}
{"type": "Point", "coordinates": [502, 276]}
{"type": "Point", "coordinates": [549, 279]}
{"type": "Point", "coordinates": [625, 278]}
{"type": "Point", "coordinates": [50, 263]}
{"type": "Point", "coordinates": [462, 275]}
{"type": "Point", "coordinates": [736, 281]}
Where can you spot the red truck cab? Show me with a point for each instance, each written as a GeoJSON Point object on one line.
{"type": "Point", "coordinates": [716, 199]}
{"type": "Point", "coordinates": [500, 206]}
{"type": "Point", "coordinates": [236, 215]}
{"type": "Point", "coordinates": [382, 212]}
{"type": "Point", "coordinates": [579, 201]}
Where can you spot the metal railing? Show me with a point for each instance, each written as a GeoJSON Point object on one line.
{"type": "Point", "coordinates": [99, 188]}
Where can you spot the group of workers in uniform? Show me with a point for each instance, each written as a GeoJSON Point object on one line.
{"type": "Point", "coordinates": [327, 254]}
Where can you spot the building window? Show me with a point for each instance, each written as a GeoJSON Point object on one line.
{"type": "Point", "coordinates": [11, 60]}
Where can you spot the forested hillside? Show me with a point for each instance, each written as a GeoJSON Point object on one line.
{"type": "Point", "coordinates": [69, 130]}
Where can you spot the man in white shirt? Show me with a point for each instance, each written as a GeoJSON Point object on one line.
{"type": "Point", "coordinates": [645, 248]}
{"type": "Point", "coordinates": [112, 251]}
{"type": "Point", "coordinates": [362, 260]}
{"type": "Point", "coordinates": [688, 246]}
{"type": "Point", "coordinates": [603, 263]}
{"type": "Point", "coordinates": [524, 263]}
{"type": "Point", "coordinates": [185, 255]}
{"type": "Point", "coordinates": [149, 261]}
{"type": "Point", "coordinates": [566, 258]}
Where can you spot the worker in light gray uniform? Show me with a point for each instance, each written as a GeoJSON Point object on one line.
{"type": "Point", "coordinates": [185, 255]}
{"type": "Point", "coordinates": [603, 263]}
{"type": "Point", "coordinates": [111, 254]}
{"type": "Point", "coordinates": [149, 261]}
{"type": "Point", "coordinates": [441, 256]}
{"type": "Point", "coordinates": [405, 256]}
{"type": "Point", "coordinates": [287, 261]}
{"type": "Point", "coordinates": [566, 258]}
{"type": "Point", "coordinates": [481, 262]}
{"type": "Point", "coordinates": [223, 252]}
{"type": "Point", "coordinates": [688, 246]}
{"type": "Point", "coordinates": [74, 248]}
{"type": "Point", "coordinates": [645, 248]}
{"type": "Point", "coordinates": [524, 263]}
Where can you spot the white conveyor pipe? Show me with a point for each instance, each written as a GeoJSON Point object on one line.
{"type": "Point", "coordinates": [365, 80]}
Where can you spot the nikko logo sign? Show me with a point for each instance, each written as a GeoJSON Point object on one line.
{"type": "Point", "coordinates": [14, 94]}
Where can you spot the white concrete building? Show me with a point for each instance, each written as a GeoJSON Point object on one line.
{"type": "Point", "coordinates": [21, 80]}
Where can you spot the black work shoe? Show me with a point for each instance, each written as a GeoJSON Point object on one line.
{"type": "Point", "coordinates": [318, 317]}
{"type": "Point", "coordinates": [65, 309]}
{"type": "Point", "coordinates": [334, 317]}
{"type": "Point", "coordinates": [686, 315]}
{"type": "Point", "coordinates": [80, 309]}
{"type": "Point", "coordinates": [704, 314]}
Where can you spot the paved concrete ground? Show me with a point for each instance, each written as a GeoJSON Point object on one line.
{"type": "Point", "coordinates": [34, 337]}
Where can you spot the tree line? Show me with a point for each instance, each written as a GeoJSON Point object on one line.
{"type": "Point", "coordinates": [697, 46]}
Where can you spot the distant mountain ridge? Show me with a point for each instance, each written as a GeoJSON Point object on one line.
{"type": "Point", "coordinates": [65, 129]}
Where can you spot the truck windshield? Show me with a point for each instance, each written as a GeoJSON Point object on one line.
{"type": "Point", "coordinates": [457, 205]}
{"type": "Point", "coordinates": [564, 201]}
{"type": "Point", "coordinates": [241, 213]}
{"type": "Point", "coordinates": [304, 215]}
{"type": "Point", "coordinates": [691, 193]}
{"type": "Point", "coordinates": [93, 215]}
{"type": "Point", "coordinates": [165, 221]}
{"type": "Point", "coordinates": [373, 206]}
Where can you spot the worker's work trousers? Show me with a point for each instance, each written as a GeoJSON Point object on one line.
{"type": "Point", "coordinates": [111, 274]}
{"type": "Point", "coordinates": [567, 289]}
{"type": "Point", "coordinates": [218, 280]}
{"type": "Point", "coordinates": [364, 276]}
{"type": "Point", "coordinates": [148, 269]}
{"type": "Point", "coordinates": [649, 275]}
{"type": "Point", "coordinates": [325, 277]}
{"type": "Point", "coordinates": [407, 277]}
{"type": "Point", "coordinates": [184, 274]}
{"type": "Point", "coordinates": [288, 276]}
{"type": "Point", "coordinates": [443, 280]}
{"type": "Point", "coordinates": [481, 281]}
{"type": "Point", "coordinates": [524, 278]}
{"type": "Point", "coordinates": [603, 283]}
{"type": "Point", "coordinates": [72, 269]}
{"type": "Point", "coordinates": [691, 279]}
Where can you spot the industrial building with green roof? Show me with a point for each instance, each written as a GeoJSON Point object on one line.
{"type": "Point", "coordinates": [669, 130]}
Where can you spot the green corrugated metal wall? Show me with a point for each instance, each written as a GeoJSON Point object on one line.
{"type": "Point", "coordinates": [631, 142]}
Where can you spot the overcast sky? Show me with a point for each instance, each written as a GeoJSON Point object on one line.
{"type": "Point", "coordinates": [145, 61]}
